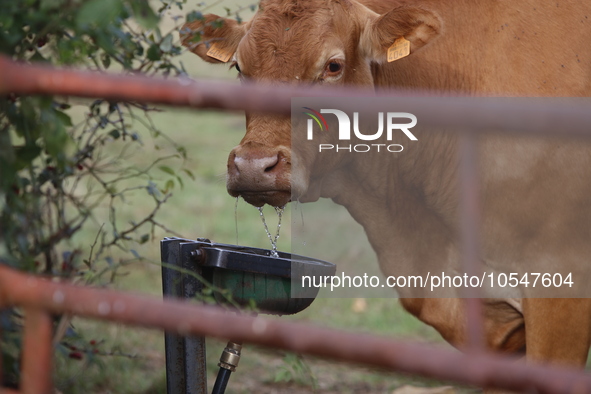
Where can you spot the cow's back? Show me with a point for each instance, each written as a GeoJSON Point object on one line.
{"type": "Point", "coordinates": [506, 48]}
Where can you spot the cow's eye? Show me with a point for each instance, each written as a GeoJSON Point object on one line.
{"type": "Point", "coordinates": [236, 66]}
{"type": "Point", "coordinates": [333, 69]}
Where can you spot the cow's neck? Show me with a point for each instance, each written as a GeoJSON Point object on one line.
{"type": "Point", "coordinates": [406, 196]}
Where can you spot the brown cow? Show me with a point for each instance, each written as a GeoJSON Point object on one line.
{"type": "Point", "coordinates": [472, 47]}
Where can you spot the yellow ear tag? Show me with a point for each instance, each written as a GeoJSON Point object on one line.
{"type": "Point", "coordinates": [219, 54]}
{"type": "Point", "coordinates": [398, 50]}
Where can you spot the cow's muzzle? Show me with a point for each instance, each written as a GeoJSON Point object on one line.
{"type": "Point", "coordinates": [260, 175]}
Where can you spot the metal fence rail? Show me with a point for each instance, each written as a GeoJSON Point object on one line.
{"type": "Point", "coordinates": [40, 297]}
{"type": "Point", "coordinates": [463, 114]}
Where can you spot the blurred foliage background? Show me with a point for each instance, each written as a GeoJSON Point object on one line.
{"type": "Point", "coordinates": [89, 187]}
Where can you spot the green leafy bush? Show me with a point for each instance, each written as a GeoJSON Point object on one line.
{"type": "Point", "coordinates": [62, 160]}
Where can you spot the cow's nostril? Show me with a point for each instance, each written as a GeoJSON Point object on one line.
{"type": "Point", "coordinates": [270, 168]}
{"type": "Point", "coordinates": [242, 164]}
{"type": "Point", "coordinates": [272, 164]}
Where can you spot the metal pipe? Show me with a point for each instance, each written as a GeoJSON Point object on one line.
{"type": "Point", "coordinates": [4, 390]}
{"type": "Point", "coordinates": [37, 354]}
{"type": "Point", "coordinates": [455, 113]}
{"type": "Point", "coordinates": [1, 370]}
{"type": "Point", "coordinates": [185, 318]}
{"type": "Point", "coordinates": [470, 240]}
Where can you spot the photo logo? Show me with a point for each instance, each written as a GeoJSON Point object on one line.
{"type": "Point", "coordinates": [390, 119]}
{"type": "Point", "coordinates": [318, 118]}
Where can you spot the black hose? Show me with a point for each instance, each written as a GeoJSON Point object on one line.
{"type": "Point", "coordinates": [221, 381]}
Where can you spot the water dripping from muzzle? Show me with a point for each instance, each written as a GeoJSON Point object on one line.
{"type": "Point", "coordinates": [236, 219]}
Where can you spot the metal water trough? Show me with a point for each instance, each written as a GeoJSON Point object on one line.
{"type": "Point", "coordinates": [250, 275]}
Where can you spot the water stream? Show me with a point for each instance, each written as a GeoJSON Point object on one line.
{"type": "Point", "coordinates": [236, 219]}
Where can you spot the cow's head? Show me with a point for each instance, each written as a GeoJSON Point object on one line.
{"type": "Point", "coordinates": [315, 42]}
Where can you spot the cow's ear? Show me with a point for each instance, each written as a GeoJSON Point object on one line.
{"type": "Point", "coordinates": [417, 25]}
{"type": "Point", "coordinates": [213, 38]}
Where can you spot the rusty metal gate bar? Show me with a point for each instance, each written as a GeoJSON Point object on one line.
{"type": "Point", "coordinates": [41, 297]}
{"type": "Point", "coordinates": [37, 351]}
{"type": "Point", "coordinates": [466, 115]}
{"type": "Point", "coordinates": [470, 239]}
{"type": "Point", "coordinates": [186, 318]}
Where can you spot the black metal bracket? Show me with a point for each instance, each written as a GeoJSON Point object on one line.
{"type": "Point", "coordinates": [185, 356]}
{"type": "Point", "coordinates": [273, 282]}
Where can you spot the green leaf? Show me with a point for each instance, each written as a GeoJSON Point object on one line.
{"type": "Point", "coordinates": [98, 13]}
{"type": "Point", "coordinates": [157, 34]}
{"type": "Point", "coordinates": [166, 44]}
{"type": "Point", "coordinates": [169, 185]}
{"type": "Point", "coordinates": [143, 14]}
{"type": "Point", "coordinates": [167, 169]}
{"type": "Point", "coordinates": [194, 16]}
{"type": "Point", "coordinates": [181, 183]}
{"type": "Point", "coordinates": [196, 37]}
{"type": "Point", "coordinates": [56, 140]}
{"type": "Point", "coordinates": [189, 173]}
{"type": "Point", "coordinates": [48, 5]}
{"type": "Point", "coordinates": [115, 133]}
{"type": "Point", "coordinates": [106, 60]}
{"type": "Point", "coordinates": [154, 52]}
{"type": "Point", "coordinates": [64, 118]}
{"type": "Point", "coordinates": [25, 155]}
{"type": "Point", "coordinates": [182, 150]}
